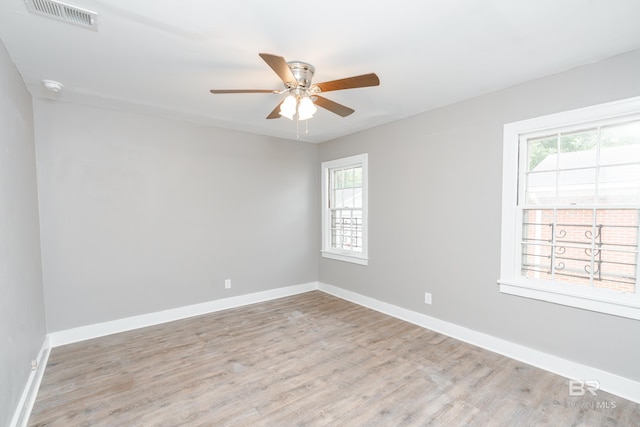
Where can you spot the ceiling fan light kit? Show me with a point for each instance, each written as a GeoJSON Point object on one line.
{"type": "Point", "coordinates": [302, 95]}
{"type": "Point", "coordinates": [306, 108]}
{"type": "Point", "coordinates": [288, 107]}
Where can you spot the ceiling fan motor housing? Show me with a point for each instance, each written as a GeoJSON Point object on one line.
{"type": "Point", "coordinates": [303, 73]}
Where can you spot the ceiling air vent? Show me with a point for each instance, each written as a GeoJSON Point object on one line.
{"type": "Point", "coordinates": [64, 12]}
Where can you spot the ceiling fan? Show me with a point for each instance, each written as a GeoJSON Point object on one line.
{"type": "Point", "coordinates": [302, 95]}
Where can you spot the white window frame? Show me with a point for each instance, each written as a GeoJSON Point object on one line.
{"type": "Point", "coordinates": [328, 251]}
{"type": "Point", "coordinates": [511, 281]}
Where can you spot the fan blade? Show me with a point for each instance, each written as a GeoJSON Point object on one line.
{"type": "Point", "coordinates": [275, 114]}
{"type": "Point", "coordinates": [332, 106]}
{"type": "Point", "coordinates": [280, 66]}
{"type": "Point", "coordinates": [364, 80]}
{"type": "Point", "coordinates": [218, 91]}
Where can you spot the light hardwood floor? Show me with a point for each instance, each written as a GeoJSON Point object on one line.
{"type": "Point", "coordinates": [306, 360]}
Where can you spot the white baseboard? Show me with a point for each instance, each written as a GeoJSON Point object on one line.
{"type": "Point", "coordinates": [611, 383]}
{"type": "Point", "coordinates": [28, 398]}
{"type": "Point", "coordinates": [83, 333]}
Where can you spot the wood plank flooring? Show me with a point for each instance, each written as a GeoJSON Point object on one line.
{"type": "Point", "coordinates": [306, 360]}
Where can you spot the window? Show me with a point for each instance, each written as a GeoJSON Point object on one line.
{"type": "Point", "coordinates": [344, 209]}
{"type": "Point", "coordinates": [571, 208]}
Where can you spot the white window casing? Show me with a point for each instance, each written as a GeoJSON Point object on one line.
{"type": "Point", "coordinates": [345, 209]}
{"type": "Point", "coordinates": [556, 285]}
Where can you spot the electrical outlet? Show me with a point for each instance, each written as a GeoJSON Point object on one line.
{"type": "Point", "coordinates": [227, 284]}
{"type": "Point", "coordinates": [427, 298]}
{"type": "Point", "coordinates": [34, 365]}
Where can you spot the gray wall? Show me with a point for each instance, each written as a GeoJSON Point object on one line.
{"type": "Point", "coordinates": [435, 207]}
{"type": "Point", "coordinates": [22, 317]}
{"type": "Point", "coordinates": [140, 214]}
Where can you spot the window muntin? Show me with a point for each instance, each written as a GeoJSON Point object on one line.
{"type": "Point", "coordinates": [345, 209]}
{"type": "Point", "coordinates": [571, 221]}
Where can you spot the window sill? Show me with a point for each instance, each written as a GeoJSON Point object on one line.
{"type": "Point", "coordinates": [361, 260]}
{"type": "Point", "coordinates": [616, 307]}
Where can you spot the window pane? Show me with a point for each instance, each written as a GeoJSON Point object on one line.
{"type": "Point", "coordinates": [619, 228]}
{"type": "Point", "coordinates": [574, 227]}
{"type": "Point", "coordinates": [541, 153]}
{"type": "Point", "coordinates": [541, 188]}
{"type": "Point", "coordinates": [350, 200]}
{"type": "Point", "coordinates": [577, 186]}
{"type": "Point", "coordinates": [536, 261]}
{"type": "Point", "coordinates": [357, 177]}
{"type": "Point", "coordinates": [619, 184]}
{"type": "Point", "coordinates": [578, 149]}
{"type": "Point", "coordinates": [615, 270]}
{"type": "Point", "coordinates": [574, 231]}
{"type": "Point", "coordinates": [537, 236]}
{"type": "Point", "coordinates": [357, 198]}
{"type": "Point", "coordinates": [338, 180]}
{"type": "Point", "coordinates": [348, 178]}
{"type": "Point", "coordinates": [620, 143]}
{"type": "Point", "coordinates": [339, 199]}
{"type": "Point", "coordinates": [537, 226]}
{"type": "Point", "coordinates": [616, 261]}
{"type": "Point", "coordinates": [573, 265]}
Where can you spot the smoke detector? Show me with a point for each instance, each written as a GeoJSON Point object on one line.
{"type": "Point", "coordinates": [52, 85]}
{"type": "Point", "coordinates": [64, 12]}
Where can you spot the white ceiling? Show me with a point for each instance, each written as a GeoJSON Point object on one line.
{"type": "Point", "coordinates": [162, 57]}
